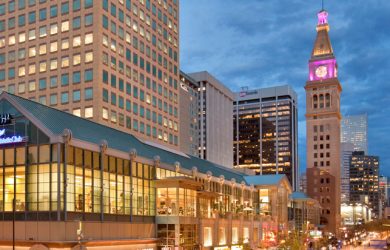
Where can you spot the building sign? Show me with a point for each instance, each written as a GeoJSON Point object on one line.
{"type": "Point", "coordinates": [10, 139]}
{"type": "Point", "coordinates": [5, 119]}
{"type": "Point", "coordinates": [248, 92]}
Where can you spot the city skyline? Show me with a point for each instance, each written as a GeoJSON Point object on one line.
{"type": "Point", "coordinates": [243, 48]}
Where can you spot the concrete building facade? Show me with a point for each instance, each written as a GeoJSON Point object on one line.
{"type": "Point", "coordinates": [189, 115]}
{"type": "Point", "coordinates": [114, 62]}
{"type": "Point", "coordinates": [354, 129]}
{"type": "Point", "coordinates": [323, 117]}
{"type": "Point", "coordinates": [215, 119]}
{"type": "Point", "coordinates": [265, 131]}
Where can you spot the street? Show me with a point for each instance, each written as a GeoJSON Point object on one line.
{"type": "Point", "coordinates": [369, 244]}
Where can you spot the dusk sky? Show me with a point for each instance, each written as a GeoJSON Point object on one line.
{"type": "Point", "coordinates": [264, 43]}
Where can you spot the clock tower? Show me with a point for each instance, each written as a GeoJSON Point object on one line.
{"type": "Point", "coordinates": [323, 117]}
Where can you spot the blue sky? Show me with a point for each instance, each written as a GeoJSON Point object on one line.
{"type": "Point", "coordinates": [262, 43]}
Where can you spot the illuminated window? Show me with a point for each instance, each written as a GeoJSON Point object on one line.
{"type": "Point", "coordinates": [22, 37]}
{"type": "Point", "coordinates": [105, 40]}
{"type": "Point", "coordinates": [21, 88]}
{"type": "Point", "coordinates": [65, 62]}
{"type": "Point", "coordinates": [22, 71]}
{"type": "Point", "coordinates": [11, 40]}
{"type": "Point", "coordinates": [42, 49]}
{"type": "Point", "coordinates": [222, 236]}
{"type": "Point", "coordinates": [2, 42]}
{"type": "Point", "coordinates": [234, 235]}
{"type": "Point", "coordinates": [53, 29]}
{"type": "Point", "coordinates": [207, 237]}
{"type": "Point", "coordinates": [42, 31]}
{"type": "Point", "coordinates": [64, 26]}
{"type": "Point", "coordinates": [53, 64]}
{"type": "Point", "coordinates": [77, 112]}
{"type": "Point", "coordinates": [31, 69]}
{"type": "Point", "coordinates": [105, 113]}
{"type": "Point", "coordinates": [76, 41]}
{"type": "Point", "coordinates": [76, 59]}
{"type": "Point", "coordinates": [65, 44]}
{"type": "Point", "coordinates": [31, 86]}
{"type": "Point", "coordinates": [89, 38]}
{"type": "Point", "coordinates": [32, 51]}
{"type": "Point", "coordinates": [42, 66]}
{"type": "Point", "coordinates": [88, 57]}
{"type": "Point", "coordinates": [53, 47]}
{"type": "Point", "coordinates": [31, 35]}
{"type": "Point", "coordinates": [89, 112]}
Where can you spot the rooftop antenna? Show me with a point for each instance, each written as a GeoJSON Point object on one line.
{"type": "Point", "coordinates": [322, 4]}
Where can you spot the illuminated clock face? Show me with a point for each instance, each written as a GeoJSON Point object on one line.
{"type": "Point", "coordinates": [321, 71]}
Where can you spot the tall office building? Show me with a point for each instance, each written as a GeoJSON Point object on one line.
{"type": "Point", "coordinates": [346, 153]}
{"type": "Point", "coordinates": [265, 131]}
{"type": "Point", "coordinates": [114, 62]}
{"type": "Point", "coordinates": [215, 119]}
{"type": "Point", "coordinates": [189, 112]}
{"type": "Point", "coordinates": [323, 127]}
{"type": "Point", "coordinates": [354, 130]}
{"type": "Point", "coordinates": [383, 202]}
{"type": "Point", "coordinates": [364, 180]}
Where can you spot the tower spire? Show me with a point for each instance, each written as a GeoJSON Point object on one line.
{"type": "Point", "coordinates": [322, 5]}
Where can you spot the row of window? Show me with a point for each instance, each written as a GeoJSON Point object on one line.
{"type": "Point", "coordinates": [139, 126]}
{"type": "Point", "coordinates": [42, 67]}
{"type": "Point", "coordinates": [139, 110]}
{"type": "Point", "coordinates": [20, 38]}
{"type": "Point", "coordinates": [65, 25]}
{"type": "Point", "coordinates": [65, 6]}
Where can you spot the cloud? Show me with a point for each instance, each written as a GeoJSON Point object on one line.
{"type": "Point", "coordinates": [258, 43]}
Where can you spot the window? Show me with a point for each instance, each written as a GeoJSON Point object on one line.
{"type": "Point", "coordinates": [88, 112]}
{"type": "Point", "coordinates": [64, 97]}
{"type": "Point", "coordinates": [31, 17]}
{"type": "Point", "coordinates": [88, 20]}
{"type": "Point", "coordinates": [76, 41]}
{"type": "Point", "coordinates": [77, 112]}
{"type": "Point", "coordinates": [42, 31]}
{"type": "Point", "coordinates": [21, 20]}
{"type": "Point", "coordinates": [76, 95]}
{"type": "Point", "coordinates": [42, 83]}
{"type": "Point", "coordinates": [42, 66]}
{"type": "Point", "coordinates": [89, 38]}
{"type": "Point", "coordinates": [21, 88]}
{"type": "Point", "coordinates": [88, 94]}
{"type": "Point", "coordinates": [76, 77]}
{"type": "Point", "coordinates": [53, 81]}
{"type": "Point", "coordinates": [53, 99]}
{"type": "Point", "coordinates": [53, 11]}
{"type": "Point", "coordinates": [65, 44]}
{"type": "Point", "coordinates": [88, 75]}
{"type": "Point", "coordinates": [65, 26]}
{"type": "Point", "coordinates": [64, 79]}
{"type": "Point", "coordinates": [88, 57]}
{"type": "Point", "coordinates": [105, 113]}
{"type": "Point", "coordinates": [42, 14]}
{"type": "Point", "coordinates": [53, 29]}
{"type": "Point", "coordinates": [76, 23]}
{"type": "Point", "coordinates": [42, 49]}
{"type": "Point", "coordinates": [76, 5]}
{"type": "Point", "coordinates": [88, 3]}
{"type": "Point", "coordinates": [31, 69]}
{"type": "Point", "coordinates": [76, 59]}
{"type": "Point", "coordinates": [65, 8]}
{"type": "Point", "coordinates": [31, 86]}
{"type": "Point", "coordinates": [53, 47]}
{"type": "Point", "coordinates": [105, 95]}
{"type": "Point", "coordinates": [65, 62]}
{"type": "Point", "coordinates": [53, 64]}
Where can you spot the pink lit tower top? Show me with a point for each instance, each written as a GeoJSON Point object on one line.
{"type": "Point", "coordinates": [322, 64]}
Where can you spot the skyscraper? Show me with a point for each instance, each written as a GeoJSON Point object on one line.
{"type": "Point", "coordinates": [346, 152]}
{"type": "Point", "coordinates": [265, 131]}
{"type": "Point", "coordinates": [114, 62]}
{"type": "Point", "coordinates": [354, 130]}
{"type": "Point", "coordinates": [215, 119]}
{"type": "Point", "coordinates": [323, 127]}
{"type": "Point", "coordinates": [364, 180]}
